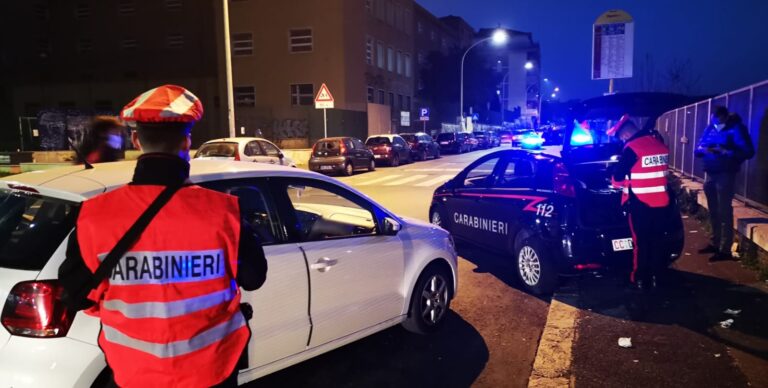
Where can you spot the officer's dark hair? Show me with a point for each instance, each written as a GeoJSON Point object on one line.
{"type": "Point", "coordinates": [162, 137]}
{"type": "Point", "coordinates": [721, 112]}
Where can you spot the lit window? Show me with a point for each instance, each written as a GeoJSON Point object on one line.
{"type": "Point", "coordinates": [173, 5]}
{"type": "Point", "coordinates": [82, 11]}
{"type": "Point", "coordinates": [369, 50]}
{"type": "Point", "coordinates": [126, 7]}
{"type": "Point", "coordinates": [175, 41]}
{"type": "Point", "coordinates": [302, 94]}
{"type": "Point", "coordinates": [408, 66]}
{"type": "Point", "coordinates": [242, 44]}
{"type": "Point", "coordinates": [380, 55]}
{"type": "Point", "coordinates": [390, 59]}
{"type": "Point", "coordinates": [399, 62]}
{"type": "Point", "coordinates": [129, 44]}
{"type": "Point", "coordinates": [244, 95]}
{"type": "Point", "coordinates": [300, 40]}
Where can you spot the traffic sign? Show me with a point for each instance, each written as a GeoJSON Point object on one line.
{"type": "Point", "coordinates": [324, 99]}
{"type": "Point", "coordinates": [423, 114]}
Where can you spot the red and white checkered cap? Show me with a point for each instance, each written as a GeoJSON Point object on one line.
{"type": "Point", "coordinates": [164, 104]}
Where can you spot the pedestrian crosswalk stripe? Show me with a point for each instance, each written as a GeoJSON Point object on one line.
{"type": "Point", "coordinates": [434, 181]}
{"type": "Point", "coordinates": [406, 180]}
{"type": "Point", "coordinates": [434, 169]}
{"type": "Point", "coordinates": [378, 180]}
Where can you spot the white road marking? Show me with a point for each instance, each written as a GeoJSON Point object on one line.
{"type": "Point", "coordinates": [552, 366]}
{"type": "Point", "coordinates": [435, 169]}
{"type": "Point", "coordinates": [406, 180]}
{"type": "Point", "coordinates": [377, 180]}
{"type": "Point", "coordinates": [435, 181]}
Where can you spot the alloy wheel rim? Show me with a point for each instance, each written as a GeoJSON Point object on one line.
{"type": "Point", "coordinates": [434, 300]}
{"type": "Point", "coordinates": [529, 266]}
{"type": "Point", "coordinates": [349, 169]}
{"type": "Point", "coordinates": [436, 219]}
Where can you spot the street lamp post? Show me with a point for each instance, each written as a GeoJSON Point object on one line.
{"type": "Point", "coordinates": [499, 37]}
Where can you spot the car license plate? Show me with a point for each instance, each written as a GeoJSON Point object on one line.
{"type": "Point", "coordinates": [444, 143]}
{"type": "Point", "coordinates": [377, 156]}
{"type": "Point", "coordinates": [622, 244]}
{"type": "Point", "coordinates": [326, 167]}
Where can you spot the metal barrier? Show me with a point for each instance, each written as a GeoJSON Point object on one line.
{"type": "Point", "coordinates": [683, 127]}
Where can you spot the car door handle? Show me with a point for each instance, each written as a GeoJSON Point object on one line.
{"type": "Point", "coordinates": [324, 264]}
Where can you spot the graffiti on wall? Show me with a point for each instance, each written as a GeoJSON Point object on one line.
{"type": "Point", "coordinates": [290, 129]}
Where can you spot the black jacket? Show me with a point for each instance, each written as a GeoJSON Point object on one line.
{"type": "Point", "coordinates": [160, 169]}
{"type": "Point", "coordinates": [724, 150]}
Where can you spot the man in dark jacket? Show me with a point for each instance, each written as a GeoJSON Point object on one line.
{"type": "Point", "coordinates": [723, 147]}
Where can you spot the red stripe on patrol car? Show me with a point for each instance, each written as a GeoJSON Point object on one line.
{"type": "Point", "coordinates": [529, 208]}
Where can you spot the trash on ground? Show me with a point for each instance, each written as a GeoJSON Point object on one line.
{"type": "Point", "coordinates": [694, 231]}
{"type": "Point", "coordinates": [687, 253]}
{"type": "Point", "coordinates": [732, 312]}
{"type": "Point", "coordinates": [625, 342]}
{"type": "Point", "coordinates": [717, 355]}
{"type": "Point", "coordinates": [726, 323]}
{"type": "Point", "coordinates": [685, 217]}
{"type": "Point", "coordinates": [635, 360]}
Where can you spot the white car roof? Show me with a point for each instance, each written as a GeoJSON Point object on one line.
{"type": "Point", "coordinates": [76, 182]}
{"type": "Point", "coordinates": [388, 136]}
{"type": "Point", "coordinates": [236, 140]}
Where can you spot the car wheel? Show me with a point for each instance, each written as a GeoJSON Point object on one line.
{"type": "Point", "coordinates": [534, 267]}
{"type": "Point", "coordinates": [349, 169]}
{"type": "Point", "coordinates": [436, 217]}
{"type": "Point", "coordinates": [395, 160]}
{"type": "Point", "coordinates": [372, 165]}
{"type": "Point", "coordinates": [431, 300]}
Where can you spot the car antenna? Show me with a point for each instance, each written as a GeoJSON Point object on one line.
{"type": "Point", "coordinates": [79, 154]}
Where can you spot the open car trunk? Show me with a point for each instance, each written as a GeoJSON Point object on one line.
{"type": "Point", "coordinates": [599, 204]}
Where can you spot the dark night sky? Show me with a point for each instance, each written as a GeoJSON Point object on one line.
{"type": "Point", "coordinates": [725, 40]}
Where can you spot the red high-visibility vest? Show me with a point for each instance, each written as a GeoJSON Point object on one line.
{"type": "Point", "coordinates": [648, 176]}
{"type": "Point", "coordinates": [170, 310]}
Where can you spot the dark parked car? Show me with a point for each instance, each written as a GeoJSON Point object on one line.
{"type": "Point", "coordinates": [389, 149]}
{"type": "Point", "coordinates": [342, 155]}
{"type": "Point", "coordinates": [551, 215]}
{"type": "Point", "coordinates": [483, 139]}
{"type": "Point", "coordinates": [456, 143]}
{"type": "Point", "coordinates": [422, 145]}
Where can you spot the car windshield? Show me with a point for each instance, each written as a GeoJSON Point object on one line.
{"type": "Point", "coordinates": [32, 227]}
{"type": "Point", "coordinates": [219, 149]}
{"type": "Point", "coordinates": [445, 136]}
{"type": "Point", "coordinates": [374, 141]}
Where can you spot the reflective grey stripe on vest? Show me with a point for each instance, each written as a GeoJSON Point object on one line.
{"type": "Point", "coordinates": [169, 309]}
{"type": "Point", "coordinates": [177, 348]}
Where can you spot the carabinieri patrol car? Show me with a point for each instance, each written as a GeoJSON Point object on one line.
{"type": "Point", "coordinates": [553, 214]}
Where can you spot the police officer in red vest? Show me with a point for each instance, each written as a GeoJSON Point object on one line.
{"type": "Point", "coordinates": [170, 309]}
{"type": "Point", "coordinates": [642, 175]}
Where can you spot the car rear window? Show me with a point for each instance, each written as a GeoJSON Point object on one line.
{"type": "Point", "coordinates": [223, 149]}
{"type": "Point", "coordinates": [445, 136]}
{"type": "Point", "coordinates": [378, 141]}
{"type": "Point", "coordinates": [327, 148]}
{"type": "Point", "coordinates": [32, 227]}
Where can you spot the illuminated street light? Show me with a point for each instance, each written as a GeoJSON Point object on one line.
{"type": "Point", "coordinates": [554, 95]}
{"type": "Point", "coordinates": [546, 79]}
{"type": "Point", "coordinates": [499, 37]}
{"type": "Point", "coordinates": [528, 65]}
{"type": "Point", "coordinates": [557, 89]}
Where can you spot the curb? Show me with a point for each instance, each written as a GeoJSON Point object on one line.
{"type": "Point", "coordinates": [552, 365]}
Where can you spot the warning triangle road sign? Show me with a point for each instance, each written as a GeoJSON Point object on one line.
{"type": "Point", "coordinates": [324, 99]}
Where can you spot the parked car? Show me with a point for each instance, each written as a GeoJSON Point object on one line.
{"type": "Point", "coordinates": [389, 149]}
{"type": "Point", "coordinates": [493, 139]}
{"type": "Point", "coordinates": [251, 149]}
{"type": "Point", "coordinates": [483, 139]}
{"type": "Point", "coordinates": [422, 145]}
{"type": "Point", "coordinates": [317, 233]}
{"type": "Point", "coordinates": [505, 137]}
{"type": "Point", "coordinates": [518, 135]}
{"type": "Point", "coordinates": [472, 141]}
{"type": "Point", "coordinates": [453, 142]}
{"type": "Point", "coordinates": [341, 155]}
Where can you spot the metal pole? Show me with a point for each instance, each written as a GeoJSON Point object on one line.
{"type": "Point", "coordinates": [461, 81]}
{"type": "Point", "coordinates": [325, 123]}
{"type": "Point", "coordinates": [610, 86]}
{"type": "Point", "coordinates": [21, 135]}
{"type": "Point", "coordinates": [228, 70]}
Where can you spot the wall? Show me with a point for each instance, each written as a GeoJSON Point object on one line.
{"type": "Point", "coordinates": [379, 119]}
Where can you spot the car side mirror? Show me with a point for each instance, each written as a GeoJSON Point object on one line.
{"type": "Point", "coordinates": [280, 155]}
{"type": "Point", "coordinates": [391, 227]}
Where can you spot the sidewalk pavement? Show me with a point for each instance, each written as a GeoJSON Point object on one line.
{"type": "Point", "coordinates": [678, 341]}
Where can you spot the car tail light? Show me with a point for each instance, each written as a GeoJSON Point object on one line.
{"type": "Point", "coordinates": [582, 267]}
{"type": "Point", "coordinates": [343, 147]}
{"type": "Point", "coordinates": [35, 309]}
{"type": "Point", "coordinates": [237, 154]}
{"type": "Point", "coordinates": [562, 181]}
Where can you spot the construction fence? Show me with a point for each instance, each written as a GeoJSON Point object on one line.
{"type": "Point", "coordinates": [683, 127]}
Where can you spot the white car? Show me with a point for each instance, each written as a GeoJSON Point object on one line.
{"type": "Point", "coordinates": [249, 149]}
{"type": "Point", "coordinates": [363, 268]}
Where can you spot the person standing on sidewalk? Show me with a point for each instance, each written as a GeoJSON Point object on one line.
{"type": "Point", "coordinates": [642, 174]}
{"type": "Point", "coordinates": [167, 288]}
{"type": "Point", "coordinates": [723, 147]}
